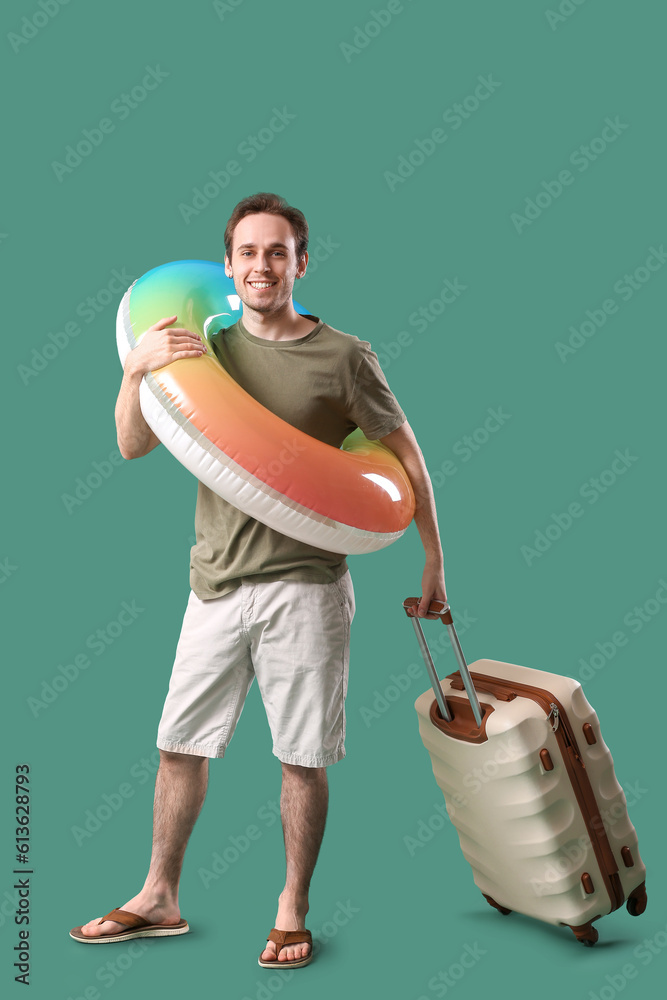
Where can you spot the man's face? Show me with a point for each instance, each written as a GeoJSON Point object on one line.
{"type": "Point", "coordinates": [264, 263]}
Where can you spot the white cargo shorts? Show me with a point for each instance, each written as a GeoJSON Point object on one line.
{"type": "Point", "coordinates": [294, 637]}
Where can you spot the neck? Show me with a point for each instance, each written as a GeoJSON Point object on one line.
{"type": "Point", "coordinates": [283, 324]}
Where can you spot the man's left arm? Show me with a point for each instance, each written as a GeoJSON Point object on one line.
{"type": "Point", "coordinates": [404, 445]}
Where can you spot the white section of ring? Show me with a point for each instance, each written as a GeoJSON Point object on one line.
{"type": "Point", "coordinates": [125, 339]}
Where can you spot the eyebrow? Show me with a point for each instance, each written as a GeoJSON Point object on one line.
{"type": "Point", "coordinates": [243, 246]}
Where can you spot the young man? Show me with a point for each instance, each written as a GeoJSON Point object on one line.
{"type": "Point", "coordinates": [263, 604]}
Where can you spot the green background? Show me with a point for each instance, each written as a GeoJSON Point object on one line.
{"type": "Point", "coordinates": [400, 916]}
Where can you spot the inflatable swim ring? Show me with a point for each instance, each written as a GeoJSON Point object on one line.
{"type": "Point", "coordinates": [353, 499]}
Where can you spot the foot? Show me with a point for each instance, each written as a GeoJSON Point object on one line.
{"type": "Point", "coordinates": [155, 909]}
{"type": "Point", "coordinates": [291, 917]}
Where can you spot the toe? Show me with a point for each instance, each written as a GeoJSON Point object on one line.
{"type": "Point", "coordinates": [288, 953]}
{"type": "Point", "coordinates": [90, 929]}
{"type": "Point", "coordinates": [96, 929]}
{"type": "Point", "coordinates": [293, 952]}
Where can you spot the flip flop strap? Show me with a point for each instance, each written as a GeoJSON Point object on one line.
{"type": "Point", "coordinates": [127, 918]}
{"type": "Point", "coordinates": [282, 938]}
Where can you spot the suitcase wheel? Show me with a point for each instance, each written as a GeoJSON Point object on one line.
{"type": "Point", "coordinates": [497, 906]}
{"type": "Point", "coordinates": [585, 933]}
{"type": "Point", "coordinates": [636, 903]}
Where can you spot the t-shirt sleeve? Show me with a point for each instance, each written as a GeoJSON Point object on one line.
{"type": "Point", "coordinates": [373, 406]}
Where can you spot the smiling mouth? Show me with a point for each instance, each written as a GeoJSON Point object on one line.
{"type": "Point", "coordinates": [262, 284]}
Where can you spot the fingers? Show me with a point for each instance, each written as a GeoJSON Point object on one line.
{"type": "Point", "coordinates": [163, 343]}
{"type": "Point", "coordinates": [162, 332]}
{"type": "Point", "coordinates": [188, 354]}
{"type": "Point", "coordinates": [166, 324]}
{"type": "Point", "coordinates": [162, 323]}
{"type": "Point", "coordinates": [424, 605]}
{"type": "Point", "coordinates": [176, 335]}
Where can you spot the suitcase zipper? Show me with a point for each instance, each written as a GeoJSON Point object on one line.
{"type": "Point", "coordinates": [574, 766]}
{"type": "Point", "coordinates": [556, 715]}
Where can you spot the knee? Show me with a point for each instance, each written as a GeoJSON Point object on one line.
{"type": "Point", "coordinates": [171, 758]}
{"type": "Point", "coordinates": [304, 773]}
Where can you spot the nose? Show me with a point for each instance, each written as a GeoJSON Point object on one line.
{"type": "Point", "coordinates": [261, 263]}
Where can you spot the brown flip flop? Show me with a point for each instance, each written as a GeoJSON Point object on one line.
{"type": "Point", "coordinates": [137, 927]}
{"type": "Point", "coordinates": [282, 938]}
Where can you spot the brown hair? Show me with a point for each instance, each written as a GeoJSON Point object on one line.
{"type": "Point", "coordinates": [273, 204]}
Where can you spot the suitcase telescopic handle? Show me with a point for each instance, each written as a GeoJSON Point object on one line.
{"type": "Point", "coordinates": [441, 610]}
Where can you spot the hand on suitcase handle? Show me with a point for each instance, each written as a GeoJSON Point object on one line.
{"type": "Point", "coordinates": [436, 609]}
{"type": "Point", "coordinates": [440, 609]}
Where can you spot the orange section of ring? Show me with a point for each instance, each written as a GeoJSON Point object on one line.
{"type": "Point", "coordinates": [327, 480]}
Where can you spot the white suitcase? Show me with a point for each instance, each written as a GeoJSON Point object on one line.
{"type": "Point", "coordinates": [529, 785]}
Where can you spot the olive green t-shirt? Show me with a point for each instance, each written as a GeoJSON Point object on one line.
{"type": "Point", "coordinates": [326, 383]}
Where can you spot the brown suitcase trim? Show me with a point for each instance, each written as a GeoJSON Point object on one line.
{"type": "Point", "coordinates": [463, 725]}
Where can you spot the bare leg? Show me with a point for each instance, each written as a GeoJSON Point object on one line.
{"type": "Point", "coordinates": [303, 806]}
{"type": "Point", "coordinates": [180, 790]}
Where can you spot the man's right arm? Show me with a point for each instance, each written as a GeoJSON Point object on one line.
{"type": "Point", "coordinates": [160, 345]}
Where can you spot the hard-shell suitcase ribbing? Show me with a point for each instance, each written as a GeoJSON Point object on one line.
{"type": "Point", "coordinates": [529, 784]}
